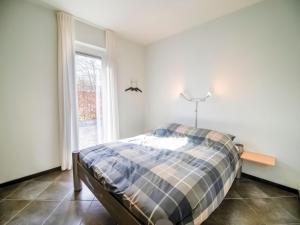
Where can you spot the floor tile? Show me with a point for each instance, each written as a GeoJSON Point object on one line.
{"type": "Point", "coordinates": [9, 208]}
{"type": "Point", "coordinates": [285, 224]}
{"type": "Point", "coordinates": [276, 210]}
{"type": "Point", "coordinates": [49, 177]}
{"type": "Point", "coordinates": [68, 213]}
{"type": "Point", "coordinates": [210, 221]}
{"type": "Point", "coordinates": [292, 205]}
{"type": "Point", "coordinates": [233, 192]}
{"type": "Point", "coordinates": [29, 190]}
{"type": "Point", "coordinates": [5, 191]}
{"type": "Point", "coordinates": [84, 195]}
{"type": "Point", "coordinates": [273, 191]}
{"type": "Point", "coordinates": [97, 215]}
{"type": "Point", "coordinates": [66, 176]}
{"type": "Point", "coordinates": [233, 212]}
{"type": "Point", "coordinates": [248, 189]}
{"type": "Point", "coordinates": [248, 202]}
{"type": "Point", "coordinates": [56, 191]}
{"type": "Point", "coordinates": [35, 213]}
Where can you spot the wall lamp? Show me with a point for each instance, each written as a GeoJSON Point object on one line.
{"type": "Point", "coordinates": [196, 101]}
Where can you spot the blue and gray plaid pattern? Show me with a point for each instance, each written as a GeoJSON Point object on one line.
{"type": "Point", "coordinates": [175, 172]}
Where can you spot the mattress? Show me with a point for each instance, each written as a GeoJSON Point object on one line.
{"type": "Point", "coordinates": [175, 172]}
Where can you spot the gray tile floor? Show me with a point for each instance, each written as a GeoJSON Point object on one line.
{"type": "Point", "coordinates": [49, 199]}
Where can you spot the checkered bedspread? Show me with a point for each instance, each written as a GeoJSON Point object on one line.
{"type": "Point", "coordinates": [175, 172]}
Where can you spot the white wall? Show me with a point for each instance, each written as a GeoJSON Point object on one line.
{"type": "Point", "coordinates": [130, 62]}
{"type": "Point", "coordinates": [28, 87]}
{"type": "Point", "coordinates": [28, 90]}
{"type": "Point", "coordinates": [250, 59]}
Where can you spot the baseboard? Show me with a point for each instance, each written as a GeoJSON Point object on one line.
{"type": "Point", "coordinates": [29, 177]}
{"type": "Point", "coordinates": [289, 189]}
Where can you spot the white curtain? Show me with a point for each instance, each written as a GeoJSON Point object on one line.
{"type": "Point", "coordinates": [110, 94]}
{"type": "Point", "coordinates": [67, 89]}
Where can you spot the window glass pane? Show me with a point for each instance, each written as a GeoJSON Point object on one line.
{"type": "Point", "coordinates": [88, 77]}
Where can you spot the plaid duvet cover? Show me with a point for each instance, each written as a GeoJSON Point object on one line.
{"type": "Point", "coordinates": [175, 172]}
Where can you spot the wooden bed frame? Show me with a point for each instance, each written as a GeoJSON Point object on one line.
{"type": "Point", "coordinates": [120, 213]}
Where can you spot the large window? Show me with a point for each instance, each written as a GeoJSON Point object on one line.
{"type": "Point", "coordinates": [89, 91]}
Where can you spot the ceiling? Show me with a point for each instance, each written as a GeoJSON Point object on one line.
{"type": "Point", "coordinates": [147, 21]}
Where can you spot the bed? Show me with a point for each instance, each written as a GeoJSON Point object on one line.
{"type": "Point", "coordinates": [173, 175]}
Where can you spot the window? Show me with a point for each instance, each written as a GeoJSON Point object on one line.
{"type": "Point", "coordinates": [89, 78]}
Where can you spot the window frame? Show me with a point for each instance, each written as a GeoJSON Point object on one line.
{"type": "Point", "coordinates": [88, 55]}
{"type": "Point", "coordinates": [93, 52]}
{"type": "Point", "coordinates": [90, 50]}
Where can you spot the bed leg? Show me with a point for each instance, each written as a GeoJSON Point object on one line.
{"type": "Point", "coordinates": [76, 179]}
{"type": "Point", "coordinates": [239, 172]}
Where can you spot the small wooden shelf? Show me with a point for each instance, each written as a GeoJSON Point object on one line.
{"type": "Point", "coordinates": [258, 158]}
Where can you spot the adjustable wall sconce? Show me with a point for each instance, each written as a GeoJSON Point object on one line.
{"type": "Point", "coordinates": [196, 101]}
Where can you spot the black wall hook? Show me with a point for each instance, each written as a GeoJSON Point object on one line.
{"type": "Point", "coordinates": [133, 87]}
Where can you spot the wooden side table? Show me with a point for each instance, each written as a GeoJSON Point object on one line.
{"type": "Point", "coordinates": [259, 158]}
